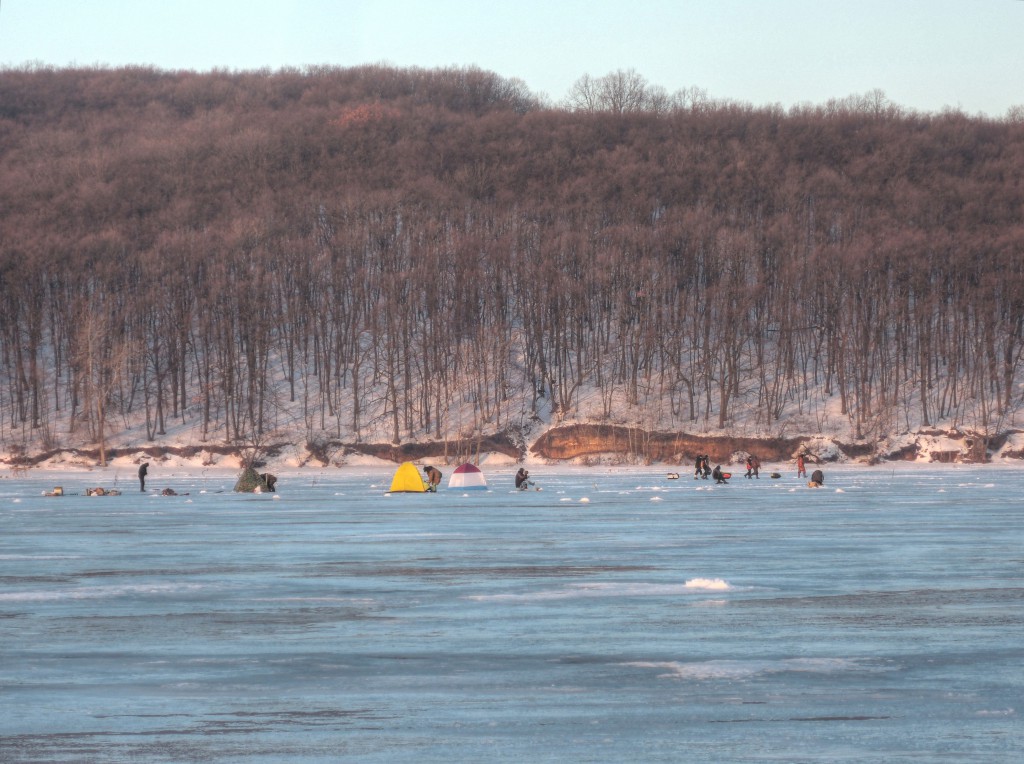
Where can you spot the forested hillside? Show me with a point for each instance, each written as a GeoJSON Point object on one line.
{"type": "Point", "coordinates": [399, 255]}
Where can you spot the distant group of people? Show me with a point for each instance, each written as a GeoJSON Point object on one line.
{"type": "Point", "coordinates": [434, 478]}
{"type": "Point", "coordinates": [702, 469]}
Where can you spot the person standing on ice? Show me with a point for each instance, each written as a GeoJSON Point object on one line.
{"type": "Point", "coordinates": [755, 465]}
{"type": "Point", "coordinates": [750, 468]}
{"type": "Point", "coordinates": [698, 467]}
{"type": "Point", "coordinates": [801, 470]}
{"type": "Point", "coordinates": [143, 470]}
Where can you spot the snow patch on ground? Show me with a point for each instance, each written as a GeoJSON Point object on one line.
{"type": "Point", "coordinates": [823, 450]}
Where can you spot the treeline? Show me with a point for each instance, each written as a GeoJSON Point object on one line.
{"type": "Point", "coordinates": [436, 253]}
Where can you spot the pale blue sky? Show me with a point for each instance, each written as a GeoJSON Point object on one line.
{"type": "Point", "coordinates": [925, 54]}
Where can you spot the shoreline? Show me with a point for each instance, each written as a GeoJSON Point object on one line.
{"type": "Point", "coordinates": [586, 445]}
{"type": "Point", "coordinates": [127, 474]}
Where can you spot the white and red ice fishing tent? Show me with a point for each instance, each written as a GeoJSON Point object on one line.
{"type": "Point", "coordinates": [467, 476]}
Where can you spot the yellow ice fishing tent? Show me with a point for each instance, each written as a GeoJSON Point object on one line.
{"type": "Point", "coordinates": [407, 480]}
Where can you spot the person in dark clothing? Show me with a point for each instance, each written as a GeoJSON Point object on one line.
{"type": "Point", "coordinates": [143, 471]}
{"type": "Point", "coordinates": [698, 467]}
{"type": "Point", "coordinates": [522, 479]}
{"type": "Point", "coordinates": [718, 475]}
{"type": "Point", "coordinates": [270, 480]}
{"type": "Point", "coordinates": [707, 466]}
{"type": "Point", "coordinates": [433, 478]}
{"type": "Point", "coordinates": [755, 464]}
{"type": "Point", "coordinates": [750, 468]}
{"type": "Point", "coordinates": [818, 478]}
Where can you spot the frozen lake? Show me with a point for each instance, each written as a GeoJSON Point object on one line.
{"type": "Point", "coordinates": [613, 616]}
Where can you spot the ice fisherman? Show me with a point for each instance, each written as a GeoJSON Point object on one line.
{"type": "Point", "coordinates": [522, 479]}
{"type": "Point", "coordinates": [718, 475]}
{"type": "Point", "coordinates": [818, 478]}
{"type": "Point", "coordinates": [143, 471]}
{"type": "Point", "coordinates": [702, 469]}
{"type": "Point", "coordinates": [433, 478]}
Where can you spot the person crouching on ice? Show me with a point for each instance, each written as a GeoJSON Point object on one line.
{"type": "Point", "coordinates": [522, 479]}
{"type": "Point", "coordinates": [433, 478]}
{"type": "Point", "coordinates": [718, 475]}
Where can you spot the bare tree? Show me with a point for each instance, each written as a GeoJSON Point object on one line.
{"type": "Point", "coordinates": [618, 92]}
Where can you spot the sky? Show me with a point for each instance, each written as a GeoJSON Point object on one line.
{"type": "Point", "coordinates": [926, 55]}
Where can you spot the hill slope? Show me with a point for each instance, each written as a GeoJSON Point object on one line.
{"type": "Point", "coordinates": [384, 256]}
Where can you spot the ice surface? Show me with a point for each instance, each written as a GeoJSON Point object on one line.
{"type": "Point", "coordinates": [879, 619]}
